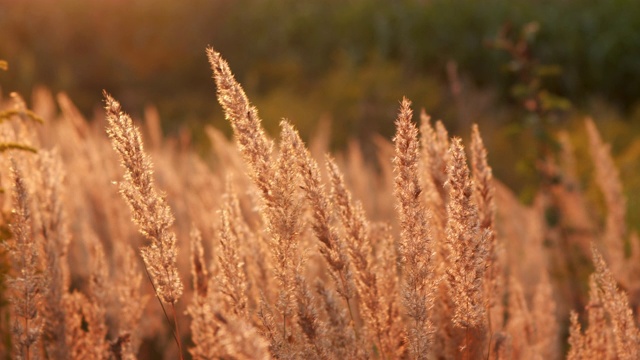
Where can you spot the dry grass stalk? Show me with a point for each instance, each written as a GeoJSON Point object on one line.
{"type": "Point", "coordinates": [612, 331]}
{"type": "Point", "coordinates": [149, 209]}
{"type": "Point", "coordinates": [520, 328]}
{"type": "Point", "coordinates": [576, 340]}
{"type": "Point", "coordinates": [377, 306]}
{"type": "Point", "coordinates": [232, 281]}
{"type": "Point", "coordinates": [484, 192]}
{"type": "Point", "coordinates": [19, 110]}
{"type": "Point", "coordinates": [615, 302]}
{"type": "Point", "coordinates": [29, 286]}
{"type": "Point", "coordinates": [572, 202]}
{"type": "Point", "coordinates": [283, 213]}
{"type": "Point", "coordinates": [575, 217]}
{"type": "Point", "coordinates": [55, 236]}
{"type": "Point", "coordinates": [89, 312]}
{"type": "Point", "coordinates": [128, 302]}
{"type": "Point", "coordinates": [484, 198]}
{"type": "Point", "coordinates": [99, 282]}
{"type": "Point", "coordinates": [204, 326]}
{"type": "Point", "coordinates": [277, 183]}
{"type": "Point", "coordinates": [434, 174]}
{"type": "Point", "coordinates": [220, 326]}
{"type": "Point", "coordinates": [467, 244]}
{"type": "Point", "coordinates": [338, 320]}
{"type": "Point", "coordinates": [416, 248]}
{"type": "Point", "coordinates": [240, 340]}
{"type": "Point", "coordinates": [433, 168]}
{"type": "Point", "coordinates": [608, 180]}
{"type": "Point", "coordinates": [435, 147]}
{"type": "Point", "coordinates": [153, 125]}
{"type": "Point", "coordinates": [204, 329]}
{"type": "Point", "coordinates": [598, 337]}
{"type": "Point", "coordinates": [543, 312]}
{"type": "Point", "coordinates": [333, 249]}
{"type": "Point", "coordinates": [467, 254]}
{"type": "Point", "coordinates": [270, 329]}
{"type": "Point", "coordinates": [199, 272]}
{"type": "Point", "coordinates": [252, 141]}
{"type": "Point", "coordinates": [313, 328]}
{"type": "Point", "coordinates": [83, 344]}
{"type": "Point", "coordinates": [387, 266]}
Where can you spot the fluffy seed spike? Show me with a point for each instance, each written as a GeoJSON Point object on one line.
{"type": "Point", "coordinates": [416, 248]}
{"type": "Point", "coordinates": [466, 243]}
{"type": "Point", "coordinates": [29, 286]}
{"type": "Point", "coordinates": [252, 141]}
{"type": "Point", "coordinates": [150, 210]}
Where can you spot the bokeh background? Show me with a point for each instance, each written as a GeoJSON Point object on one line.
{"type": "Point", "coordinates": [522, 69]}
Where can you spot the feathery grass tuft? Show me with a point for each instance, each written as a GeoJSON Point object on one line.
{"type": "Point", "coordinates": [416, 247]}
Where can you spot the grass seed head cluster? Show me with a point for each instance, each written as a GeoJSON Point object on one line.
{"type": "Point", "coordinates": [279, 250]}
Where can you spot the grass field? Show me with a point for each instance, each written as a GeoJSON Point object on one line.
{"type": "Point", "coordinates": [124, 244]}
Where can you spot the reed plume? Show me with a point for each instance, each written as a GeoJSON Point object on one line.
{"type": "Point", "coordinates": [53, 229]}
{"type": "Point", "coordinates": [608, 181]}
{"type": "Point", "coordinates": [128, 301]}
{"type": "Point", "coordinates": [466, 242]}
{"type": "Point", "coordinates": [149, 208]}
{"type": "Point", "coordinates": [484, 192]}
{"type": "Point", "coordinates": [86, 315]}
{"type": "Point", "coordinates": [253, 143]}
{"type": "Point", "coordinates": [616, 303]}
{"type": "Point", "coordinates": [544, 309]}
{"type": "Point", "coordinates": [612, 331]}
{"type": "Point", "coordinates": [277, 182]}
{"type": "Point", "coordinates": [416, 249]}
{"type": "Point", "coordinates": [466, 245]}
{"type": "Point", "coordinates": [597, 340]}
{"type": "Point", "coordinates": [232, 280]}
{"type": "Point", "coordinates": [378, 307]}
{"type": "Point", "coordinates": [201, 311]}
{"type": "Point", "coordinates": [29, 286]}
{"type": "Point", "coordinates": [333, 248]}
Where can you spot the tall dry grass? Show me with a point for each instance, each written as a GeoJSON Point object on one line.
{"type": "Point", "coordinates": [273, 250]}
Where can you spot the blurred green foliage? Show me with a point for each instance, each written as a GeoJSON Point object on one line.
{"type": "Point", "coordinates": [543, 111]}
{"type": "Point", "coordinates": [152, 51]}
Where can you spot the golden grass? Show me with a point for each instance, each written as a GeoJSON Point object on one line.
{"type": "Point", "coordinates": [294, 254]}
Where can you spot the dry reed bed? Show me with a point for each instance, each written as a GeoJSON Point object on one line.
{"type": "Point", "coordinates": [273, 250]}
